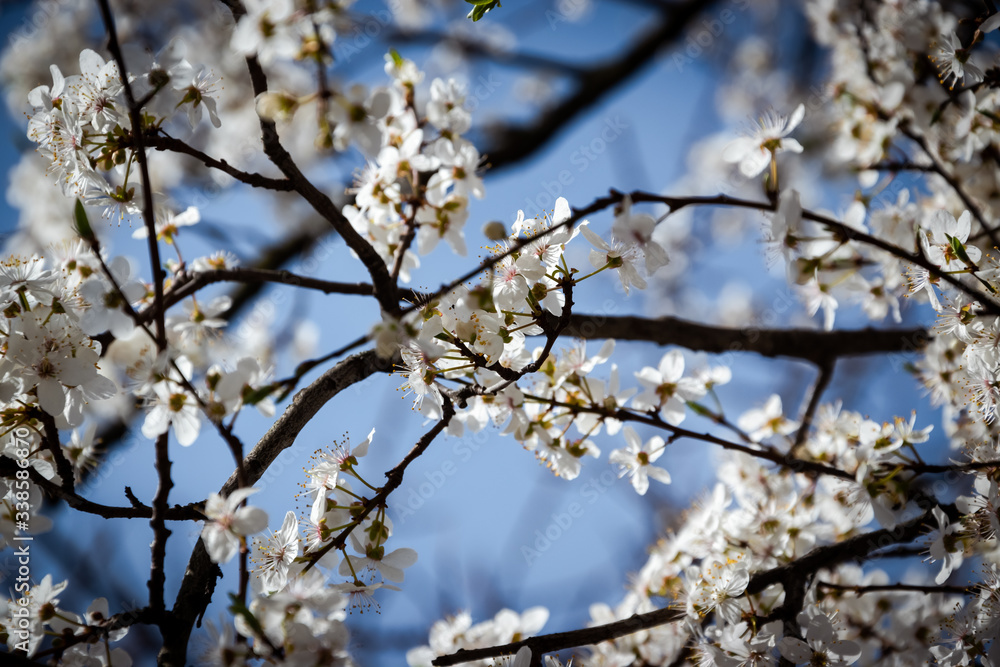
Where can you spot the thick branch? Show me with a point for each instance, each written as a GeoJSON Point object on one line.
{"type": "Point", "coordinates": [819, 347]}
{"type": "Point", "coordinates": [898, 588]}
{"type": "Point", "coordinates": [199, 580]}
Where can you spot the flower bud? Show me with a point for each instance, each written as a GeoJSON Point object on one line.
{"type": "Point", "coordinates": [495, 230]}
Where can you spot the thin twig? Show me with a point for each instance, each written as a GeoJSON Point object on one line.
{"type": "Point", "coordinates": [805, 422]}
{"type": "Point", "coordinates": [161, 141]}
{"type": "Point", "coordinates": [157, 576]}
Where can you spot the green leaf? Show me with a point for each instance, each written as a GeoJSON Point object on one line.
{"type": "Point", "coordinates": [81, 224]}
{"type": "Point", "coordinates": [699, 409]}
{"type": "Point", "coordinates": [480, 7]}
{"type": "Point", "coordinates": [959, 248]}
{"type": "Point", "coordinates": [397, 59]}
{"type": "Point", "coordinates": [989, 114]}
{"type": "Point", "coordinates": [237, 608]}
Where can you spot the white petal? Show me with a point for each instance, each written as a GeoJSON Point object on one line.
{"type": "Point", "coordinates": [561, 213]}
{"type": "Point", "coordinates": [51, 396]}
{"type": "Point", "coordinates": [249, 521]}
{"type": "Point", "coordinates": [737, 149]}
{"type": "Point", "coordinates": [797, 116]}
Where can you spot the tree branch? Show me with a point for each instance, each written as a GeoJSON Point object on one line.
{"type": "Point", "coordinates": [898, 588]}
{"type": "Point", "coordinates": [563, 640]}
{"type": "Point", "coordinates": [393, 479]}
{"type": "Point", "coordinates": [385, 287]}
{"type": "Point", "coordinates": [855, 548]}
{"type": "Point", "coordinates": [161, 141]}
{"type": "Point", "coordinates": [199, 581]}
{"type": "Point", "coordinates": [192, 512]}
{"type": "Point", "coordinates": [816, 346]}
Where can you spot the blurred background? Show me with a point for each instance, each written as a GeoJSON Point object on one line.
{"type": "Point", "coordinates": [570, 98]}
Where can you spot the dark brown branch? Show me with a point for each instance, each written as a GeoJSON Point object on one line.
{"type": "Point", "coordinates": [50, 438]}
{"type": "Point", "coordinates": [157, 576]}
{"type": "Point", "coordinates": [898, 588]}
{"type": "Point", "coordinates": [385, 287]}
{"type": "Point", "coordinates": [135, 117]}
{"type": "Point", "coordinates": [919, 467]}
{"type": "Point", "coordinates": [791, 574]}
{"type": "Point", "coordinates": [157, 573]}
{"type": "Point", "coordinates": [161, 141]}
{"type": "Point", "coordinates": [199, 580]}
{"type": "Point", "coordinates": [825, 375]}
{"type": "Point", "coordinates": [192, 512]}
{"type": "Point", "coordinates": [901, 165]}
{"type": "Point", "coordinates": [563, 640]}
{"type": "Point", "coordinates": [819, 347]}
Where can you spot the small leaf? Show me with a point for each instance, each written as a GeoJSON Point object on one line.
{"type": "Point", "coordinates": [481, 7]}
{"type": "Point", "coordinates": [81, 224]}
{"type": "Point", "coordinates": [959, 248]}
{"type": "Point", "coordinates": [237, 608]}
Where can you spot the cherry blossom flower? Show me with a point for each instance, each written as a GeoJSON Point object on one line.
{"type": "Point", "coordinates": [174, 407]}
{"type": "Point", "coordinates": [169, 223]}
{"type": "Point", "coordinates": [755, 151]}
{"type": "Point", "coordinates": [954, 62]}
{"type": "Point", "coordinates": [638, 228]}
{"type": "Point", "coordinates": [946, 547]}
{"type": "Point", "coordinates": [636, 458]}
{"type": "Point", "coordinates": [719, 588]}
{"type": "Point", "coordinates": [445, 109]}
{"type": "Point", "coordinates": [277, 553]}
{"type": "Point", "coordinates": [944, 241]}
{"type": "Point", "coordinates": [54, 359]}
{"type": "Point", "coordinates": [767, 421]}
{"type": "Point", "coordinates": [665, 388]}
{"type": "Point", "coordinates": [389, 565]}
{"type": "Point", "coordinates": [229, 524]}
{"type": "Point", "coordinates": [821, 645]}
{"type": "Point", "coordinates": [619, 256]}
{"type": "Point", "coordinates": [266, 31]}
